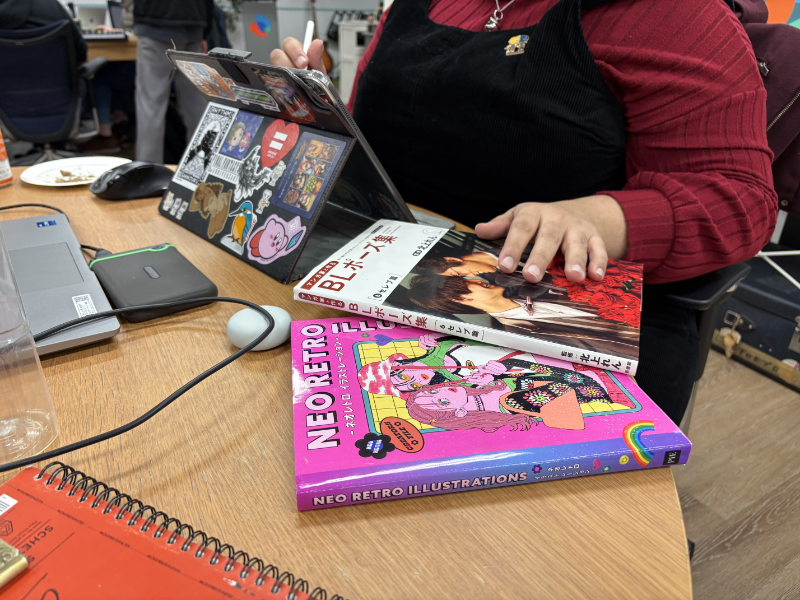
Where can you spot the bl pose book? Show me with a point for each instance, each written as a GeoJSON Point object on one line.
{"type": "Point", "coordinates": [385, 411]}
{"type": "Point", "coordinates": [449, 282]}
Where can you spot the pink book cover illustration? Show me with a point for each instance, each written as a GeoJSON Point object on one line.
{"type": "Point", "coordinates": [385, 411]}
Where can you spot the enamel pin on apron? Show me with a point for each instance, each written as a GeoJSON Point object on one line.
{"type": "Point", "coordinates": [516, 45]}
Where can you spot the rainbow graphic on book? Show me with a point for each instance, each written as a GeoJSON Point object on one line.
{"type": "Point", "coordinates": [632, 434]}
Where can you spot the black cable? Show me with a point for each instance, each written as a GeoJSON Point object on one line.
{"type": "Point", "coordinates": [88, 247]}
{"type": "Point", "coordinates": [28, 204]}
{"type": "Point", "coordinates": [24, 462]}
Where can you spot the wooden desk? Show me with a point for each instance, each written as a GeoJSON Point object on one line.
{"type": "Point", "coordinates": [221, 458]}
{"type": "Point", "coordinates": [113, 51]}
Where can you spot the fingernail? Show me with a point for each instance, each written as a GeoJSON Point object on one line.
{"type": "Point", "coordinates": [577, 268]}
{"type": "Point", "coordinates": [599, 271]}
{"type": "Point", "coordinates": [535, 271]}
{"type": "Point", "coordinates": [302, 60]}
{"type": "Point", "coordinates": [508, 263]}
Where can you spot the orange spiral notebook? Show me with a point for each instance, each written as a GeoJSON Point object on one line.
{"type": "Point", "coordinates": [83, 539]}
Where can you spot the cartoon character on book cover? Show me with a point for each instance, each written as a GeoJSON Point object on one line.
{"type": "Point", "coordinates": [384, 410]}
{"type": "Point", "coordinates": [457, 384]}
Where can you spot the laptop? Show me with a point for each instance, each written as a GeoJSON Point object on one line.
{"type": "Point", "coordinates": [55, 282]}
{"type": "Point", "coordinates": [276, 173]}
{"type": "Point", "coordinates": [93, 15]}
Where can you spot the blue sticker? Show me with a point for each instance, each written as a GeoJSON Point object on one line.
{"type": "Point", "coordinates": [45, 223]}
{"type": "Point", "coordinates": [375, 446]}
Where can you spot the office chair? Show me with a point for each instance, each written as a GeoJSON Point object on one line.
{"type": "Point", "coordinates": [704, 294]}
{"type": "Point", "coordinates": [40, 95]}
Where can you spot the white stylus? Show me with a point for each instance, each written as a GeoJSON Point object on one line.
{"type": "Point", "coordinates": [309, 36]}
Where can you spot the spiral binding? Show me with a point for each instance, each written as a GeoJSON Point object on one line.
{"type": "Point", "coordinates": [114, 499]}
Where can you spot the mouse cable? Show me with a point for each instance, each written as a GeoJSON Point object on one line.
{"type": "Point", "coordinates": [55, 209]}
{"type": "Point", "coordinates": [24, 462]}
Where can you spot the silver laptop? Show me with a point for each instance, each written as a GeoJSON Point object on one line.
{"type": "Point", "coordinates": [55, 282]}
{"type": "Point", "coordinates": [91, 16]}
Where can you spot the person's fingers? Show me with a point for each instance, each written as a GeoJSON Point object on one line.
{"type": "Point", "coordinates": [576, 251]}
{"type": "Point", "coordinates": [598, 258]}
{"type": "Point", "coordinates": [520, 232]}
{"type": "Point", "coordinates": [280, 59]}
{"type": "Point", "coordinates": [315, 56]}
{"type": "Point", "coordinates": [294, 50]}
{"type": "Point", "coordinates": [496, 228]}
{"type": "Point", "coordinates": [549, 235]}
{"type": "Point", "coordinates": [495, 367]}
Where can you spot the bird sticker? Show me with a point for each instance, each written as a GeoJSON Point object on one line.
{"type": "Point", "coordinates": [243, 222]}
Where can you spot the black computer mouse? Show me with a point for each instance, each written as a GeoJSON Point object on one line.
{"type": "Point", "coordinates": [132, 180]}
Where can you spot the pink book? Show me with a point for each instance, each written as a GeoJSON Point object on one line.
{"type": "Point", "coordinates": [385, 411]}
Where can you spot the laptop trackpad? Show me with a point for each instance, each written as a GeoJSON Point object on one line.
{"type": "Point", "coordinates": [44, 267]}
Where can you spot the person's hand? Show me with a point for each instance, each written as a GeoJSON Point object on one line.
{"type": "Point", "coordinates": [478, 378]}
{"type": "Point", "coordinates": [484, 374]}
{"type": "Point", "coordinates": [293, 56]}
{"type": "Point", "coordinates": [585, 230]}
{"type": "Point", "coordinates": [427, 341]}
{"type": "Point", "coordinates": [492, 367]}
{"type": "Point", "coordinates": [107, 29]}
{"type": "Point", "coordinates": [204, 47]}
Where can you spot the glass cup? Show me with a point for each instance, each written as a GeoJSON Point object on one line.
{"type": "Point", "coordinates": [28, 422]}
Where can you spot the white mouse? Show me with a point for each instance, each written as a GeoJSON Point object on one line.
{"type": "Point", "coordinates": [246, 325]}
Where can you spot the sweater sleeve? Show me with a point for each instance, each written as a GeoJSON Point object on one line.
{"type": "Point", "coordinates": [362, 64]}
{"type": "Point", "coordinates": [699, 192]}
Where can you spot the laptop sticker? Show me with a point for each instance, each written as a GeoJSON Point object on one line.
{"type": "Point", "coordinates": [213, 204]}
{"type": "Point", "coordinates": [182, 210]}
{"type": "Point", "coordinates": [278, 140]}
{"type": "Point", "coordinates": [240, 227]}
{"type": "Point", "coordinates": [308, 173]}
{"type": "Point", "coordinates": [207, 139]}
{"type": "Point", "coordinates": [266, 195]}
{"type": "Point", "coordinates": [276, 238]}
{"type": "Point", "coordinates": [206, 79]}
{"type": "Point", "coordinates": [251, 177]}
{"type": "Point", "coordinates": [241, 134]}
{"type": "Point", "coordinates": [250, 96]}
{"type": "Point", "coordinates": [281, 90]}
{"type": "Point", "coordinates": [84, 305]}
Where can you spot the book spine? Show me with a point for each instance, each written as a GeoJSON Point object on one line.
{"type": "Point", "coordinates": [485, 472]}
{"type": "Point", "coordinates": [524, 343]}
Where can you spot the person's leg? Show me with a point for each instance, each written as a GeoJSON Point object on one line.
{"type": "Point", "coordinates": [668, 352]}
{"type": "Point", "coordinates": [191, 101]}
{"type": "Point", "coordinates": [153, 82]}
{"type": "Point", "coordinates": [102, 102]}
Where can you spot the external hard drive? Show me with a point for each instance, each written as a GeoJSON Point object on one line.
{"type": "Point", "coordinates": [151, 276]}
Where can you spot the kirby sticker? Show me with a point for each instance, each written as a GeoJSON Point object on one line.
{"type": "Point", "coordinates": [274, 239]}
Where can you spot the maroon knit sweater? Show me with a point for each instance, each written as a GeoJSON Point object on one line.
{"type": "Point", "coordinates": [699, 192]}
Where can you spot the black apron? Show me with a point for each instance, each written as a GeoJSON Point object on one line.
{"type": "Point", "coordinates": [469, 124]}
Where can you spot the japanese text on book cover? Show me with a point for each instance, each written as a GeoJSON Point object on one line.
{"type": "Point", "coordinates": [384, 411]}
{"type": "Point", "coordinates": [449, 282]}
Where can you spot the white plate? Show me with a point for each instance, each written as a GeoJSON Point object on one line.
{"type": "Point", "coordinates": [82, 170]}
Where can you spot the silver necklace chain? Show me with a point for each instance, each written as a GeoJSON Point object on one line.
{"type": "Point", "coordinates": [494, 21]}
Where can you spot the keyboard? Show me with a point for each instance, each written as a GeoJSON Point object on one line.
{"type": "Point", "coordinates": [110, 36]}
